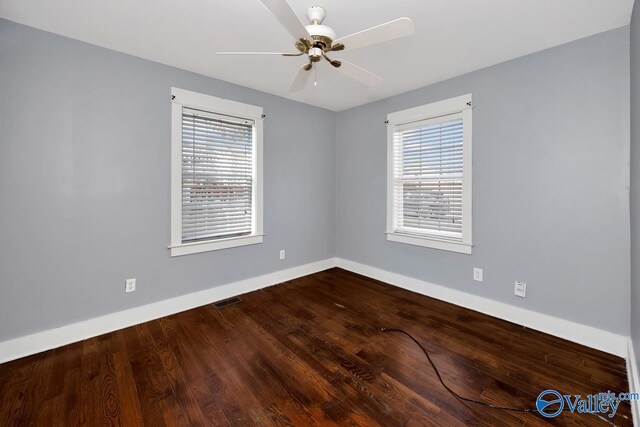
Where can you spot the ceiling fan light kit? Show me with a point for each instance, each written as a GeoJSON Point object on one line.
{"type": "Point", "coordinates": [316, 40]}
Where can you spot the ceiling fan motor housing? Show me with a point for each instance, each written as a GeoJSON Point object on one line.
{"type": "Point", "coordinates": [321, 33]}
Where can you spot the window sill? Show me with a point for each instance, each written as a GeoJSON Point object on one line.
{"type": "Point", "coordinates": [214, 245]}
{"type": "Point", "coordinates": [430, 243]}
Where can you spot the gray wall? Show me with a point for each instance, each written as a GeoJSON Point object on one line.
{"type": "Point", "coordinates": [550, 182]}
{"type": "Point", "coordinates": [84, 183]}
{"type": "Point", "coordinates": [635, 181]}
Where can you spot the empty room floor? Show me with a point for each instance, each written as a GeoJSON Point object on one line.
{"type": "Point", "coordinates": [308, 352]}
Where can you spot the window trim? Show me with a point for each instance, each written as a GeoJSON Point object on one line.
{"type": "Point", "coordinates": [183, 98]}
{"type": "Point", "coordinates": [463, 105]}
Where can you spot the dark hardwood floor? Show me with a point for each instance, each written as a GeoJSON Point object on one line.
{"type": "Point", "coordinates": [308, 352]}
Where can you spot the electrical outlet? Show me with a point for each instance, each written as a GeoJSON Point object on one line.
{"type": "Point", "coordinates": [520, 289]}
{"type": "Point", "coordinates": [282, 254]}
{"type": "Point", "coordinates": [130, 285]}
{"type": "Point", "coordinates": [477, 274]}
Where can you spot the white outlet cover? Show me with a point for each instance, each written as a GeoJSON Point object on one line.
{"type": "Point", "coordinates": [478, 274]}
{"type": "Point", "coordinates": [520, 289]}
{"type": "Point", "coordinates": [282, 254]}
{"type": "Point", "coordinates": [130, 285]}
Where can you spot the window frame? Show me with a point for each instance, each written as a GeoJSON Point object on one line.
{"type": "Point", "coordinates": [459, 105]}
{"type": "Point", "coordinates": [180, 99]}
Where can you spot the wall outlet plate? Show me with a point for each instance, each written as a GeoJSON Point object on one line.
{"type": "Point", "coordinates": [130, 285]}
{"type": "Point", "coordinates": [478, 274]}
{"type": "Point", "coordinates": [520, 289]}
{"type": "Point", "coordinates": [282, 254]}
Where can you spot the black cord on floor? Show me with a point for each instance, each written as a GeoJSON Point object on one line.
{"type": "Point", "coordinates": [465, 399]}
{"type": "Point", "coordinates": [477, 402]}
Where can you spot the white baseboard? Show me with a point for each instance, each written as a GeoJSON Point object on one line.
{"type": "Point", "coordinates": [634, 382]}
{"type": "Point", "coordinates": [576, 332]}
{"type": "Point", "coordinates": [53, 338]}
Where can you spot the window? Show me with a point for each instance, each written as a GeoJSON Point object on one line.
{"type": "Point", "coordinates": [216, 173]}
{"type": "Point", "coordinates": [429, 175]}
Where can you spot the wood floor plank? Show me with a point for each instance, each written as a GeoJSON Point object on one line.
{"type": "Point", "coordinates": [13, 396]}
{"type": "Point", "coordinates": [309, 352]}
{"type": "Point", "coordinates": [131, 412]}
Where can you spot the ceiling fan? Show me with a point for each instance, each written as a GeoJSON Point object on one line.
{"type": "Point", "coordinates": [317, 40]}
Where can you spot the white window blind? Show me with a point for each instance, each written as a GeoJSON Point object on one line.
{"type": "Point", "coordinates": [428, 178]}
{"type": "Point", "coordinates": [217, 176]}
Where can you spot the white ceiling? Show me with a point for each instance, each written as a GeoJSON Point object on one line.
{"type": "Point", "coordinates": [452, 37]}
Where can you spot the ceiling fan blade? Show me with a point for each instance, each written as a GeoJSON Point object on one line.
{"type": "Point", "coordinates": [287, 17]}
{"type": "Point", "coordinates": [391, 30]}
{"type": "Point", "coordinates": [301, 78]}
{"type": "Point", "coordinates": [254, 53]}
{"type": "Point", "coordinates": [363, 76]}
